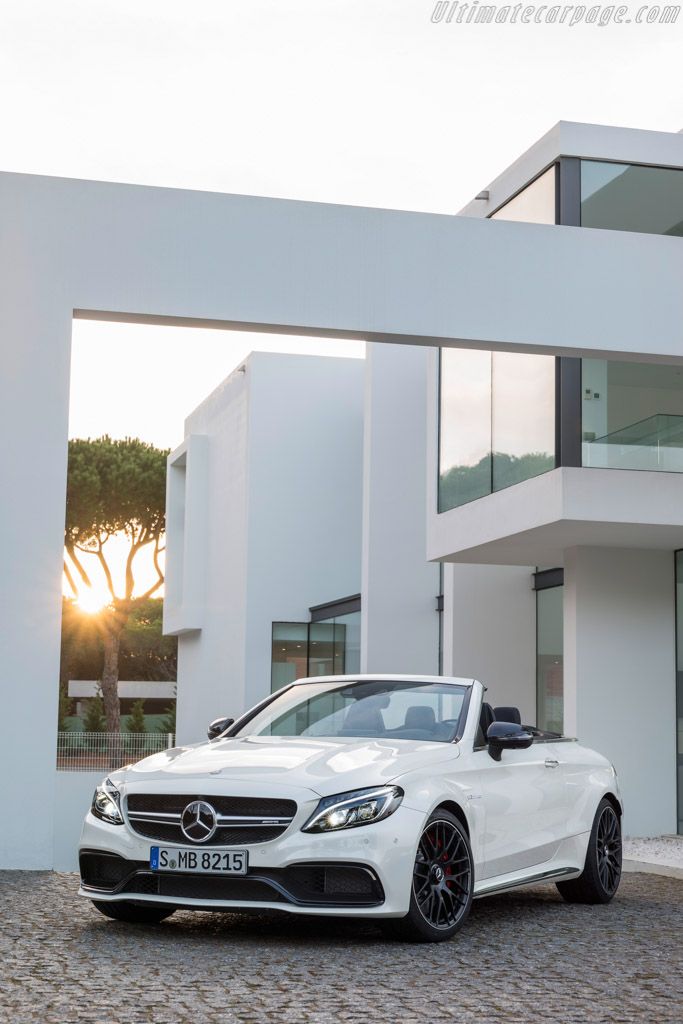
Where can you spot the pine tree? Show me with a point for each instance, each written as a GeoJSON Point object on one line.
{"type": "Point", "coordinates": [168, 721]}
{"type": "Point", "coordinates": [93, 719]}
{"type": "Point", "coordinates": [136, 719]}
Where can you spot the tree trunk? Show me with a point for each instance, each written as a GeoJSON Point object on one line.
{"type": "Point", "coordinates": [110, 679]}
{"type": "Point", "coordinates": [114, 624]}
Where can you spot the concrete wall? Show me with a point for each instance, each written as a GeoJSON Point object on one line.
{"type": "Point", "coordinates": [211, 666]}
{"type": "Point", "coordinates": [619, 673]}
{"type": "Point", "coordinates": [490, 631]}
{"type": "Point", "coordinates": [73, 793]}
{"type": "Point", "coordinates": [305, 496]}
{"type": "Point", "coordinates": [399, 622]}
{"type": "Point", "coordinates": [283, 527]}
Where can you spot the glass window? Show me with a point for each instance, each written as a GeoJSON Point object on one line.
{"type": "Point", "coordinates": [375, 708]}
{"type": "Point", "coordinates": [289, 658]}
{"type": "Point", "coordinates": [496, 422]}
{"type": "Point", "coordinates": [534, 204]}
{"type": "Point", "coordinates": [679, 685]}
{"type": "Point", "coordinates": [632, 415]}
{"type": "Point", "coordinates": [628, 197]}
{"type": "Point", "coordinates": [335, 645]}
{"type": "Point", "coordinates": [523, 417]}
{"type": "Point", "coordinates": [330, 647]}
{"type": "Point", "coordinates": [465, 427]}
{"type": "Point", "coordinates": [550, 659]}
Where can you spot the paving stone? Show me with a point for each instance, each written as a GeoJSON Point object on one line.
{"type": "Point", "coordinates": [522, 958]}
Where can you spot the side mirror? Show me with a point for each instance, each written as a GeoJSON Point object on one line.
{"type": "Point", "coordinates": [218, 726]}
{"type": "Point", "coordinates": [502, 736]}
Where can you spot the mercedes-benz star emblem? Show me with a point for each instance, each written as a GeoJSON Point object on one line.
{"type": "Point", "coordinates": [198, 821]}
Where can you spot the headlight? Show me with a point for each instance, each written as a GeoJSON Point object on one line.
{"type": "Point", "coordinates": [349, 810]}
{"type": "Point", "coordinates": [106, 803]}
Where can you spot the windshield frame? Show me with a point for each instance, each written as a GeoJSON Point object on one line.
{"type": "Point", "coordinates": [345, 681]}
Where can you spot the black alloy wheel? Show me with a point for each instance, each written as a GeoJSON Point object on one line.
{"type": "Point", "coordinates": [443, 880]}
{"type": "Point", "coordinates": [601, 874]}
{"type": "Point", "coordinates": [608, 842]}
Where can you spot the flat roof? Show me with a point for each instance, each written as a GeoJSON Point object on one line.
{"type": "Point", "coordinates": [586, 141]}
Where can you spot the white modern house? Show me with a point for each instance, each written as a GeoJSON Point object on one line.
{"type": "Point", "coordinates": [521, 450]}
{"type": "Point", "coordinates": [553, 500]}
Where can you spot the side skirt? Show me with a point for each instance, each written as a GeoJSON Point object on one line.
{"type": "Point", "coordinates": [492, 886]}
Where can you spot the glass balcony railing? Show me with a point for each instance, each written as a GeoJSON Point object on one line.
{"type": "Point", "coordinates": [654, 443]}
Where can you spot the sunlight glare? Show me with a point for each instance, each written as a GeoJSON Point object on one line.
{"type": "Point", "coordinates": [93, 599]}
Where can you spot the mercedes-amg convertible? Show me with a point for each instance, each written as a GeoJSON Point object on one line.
{"type": "Point", "coordinates": [398, 798]}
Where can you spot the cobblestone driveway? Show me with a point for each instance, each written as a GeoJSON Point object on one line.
{"type": "Point", "coordinates": [523, 957]}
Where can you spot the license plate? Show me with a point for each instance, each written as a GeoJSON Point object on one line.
{"type": "Point", "coordinates": [205, 862]}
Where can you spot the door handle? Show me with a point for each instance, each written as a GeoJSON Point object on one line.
{"type": "Point", "coordinates": [550, 762]}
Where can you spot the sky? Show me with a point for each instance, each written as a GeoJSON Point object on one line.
{"type": "Point", "coordinates": [365, 102]}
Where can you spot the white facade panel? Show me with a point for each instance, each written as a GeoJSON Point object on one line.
{"type": "Point", "coordinates": [619, 672]}
{"type": "Point", "coordinates": [490, 632]}
{"type": "Point", "coordinates": [400, 626]}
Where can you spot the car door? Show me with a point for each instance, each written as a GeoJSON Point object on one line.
{"type": "Point", "coordinates": [524, 799]}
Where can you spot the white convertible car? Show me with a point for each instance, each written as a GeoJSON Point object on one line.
{"type": "Point", "coordinates": [399, 798]}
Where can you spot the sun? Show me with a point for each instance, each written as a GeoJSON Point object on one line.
{"type": "Point", "coordinates": [93, 599]}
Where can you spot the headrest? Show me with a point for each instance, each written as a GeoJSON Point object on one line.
{"type": "Point", "coordinates": [508, 715]}
{"type": "Point", "coordinates": [420, 717]}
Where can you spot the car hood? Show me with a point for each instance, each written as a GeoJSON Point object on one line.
{"type": "Point", "coordinates": [324, 766]}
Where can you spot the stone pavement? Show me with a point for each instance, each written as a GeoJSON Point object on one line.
{"type": "Point", "coordinates": [522, 957]}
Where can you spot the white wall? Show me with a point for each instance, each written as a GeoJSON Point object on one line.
{"type": "Point", "coordinates": [211, 663]}
{"type": "Point", "coordinates": [490, 631]}
{"type": "Point", "coordinates": [73, 792]}
{"type": "Point", "coordinates": [283, 529]}
{"type": "Point", "coordinates": [619, 674]}
{"type": "Point", "coordinates": [305, 495]}
{"type": "Point", "coordinates": [399, 622]}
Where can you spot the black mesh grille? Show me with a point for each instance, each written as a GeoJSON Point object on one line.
{"type": "Point", "coordinates": [196, 887]}
{"type": "Point", "coordinates": [222, 836]}
{"type": "Point", "coordinates": [106, 870]}
{"type": "Point", "coordinates": [244, 806]}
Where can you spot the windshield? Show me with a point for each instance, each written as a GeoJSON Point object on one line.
{"type": "Point", "coordinates": [379, 709]}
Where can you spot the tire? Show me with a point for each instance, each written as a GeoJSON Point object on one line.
{"type": "Point", "coordinates": [602, 871]}
{"type": "Point", "coordinates": [134, 913]}
{"type": "Point", "coordinates": [442, 884]}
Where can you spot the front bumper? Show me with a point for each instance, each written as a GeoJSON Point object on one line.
{"type": "Point", "coordinates": [357, 872]}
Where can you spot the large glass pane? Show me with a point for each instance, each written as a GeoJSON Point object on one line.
{"type": "Point", "coordinates": [334, 647]}
{"type": "Point", "coordinates": [632, 415]}
{"type": "Point", "coordinates": [289, 658]}
{"type": "Point", "coordinates": [626, 197]}
{"type": "Point", "coordinates": [550, 659]}
{"type": "Point", "coordinates": [534, 204]}
{"type": "Point", "coordinates": [679, 685]}
{"type": "Point", "coordinates": [325, 650]}
{"type": "Point", "coordinates": [465, 427]}
{"type": "Point", "coordinates": [523, 417]}
{"type": "Point", "coordinates": [347, 628]}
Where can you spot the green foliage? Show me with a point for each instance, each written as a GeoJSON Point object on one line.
{"type": "Point", "coordinates": [114, 487]}
{"type": "Point", "coordinates": [81, 654]}
{"type": "Point", "coordinates": [145, 653]}
{"type": "Point", "coordinates": [167, 723]}
{"type": "Point", "coordinates": [461, 484]}
{"type": "Point", "coordinates": [136, 719]}
{"type": "Point", "coordinates": [93, 719]}
{"type": "Point", "coordinates": [65, 709]}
